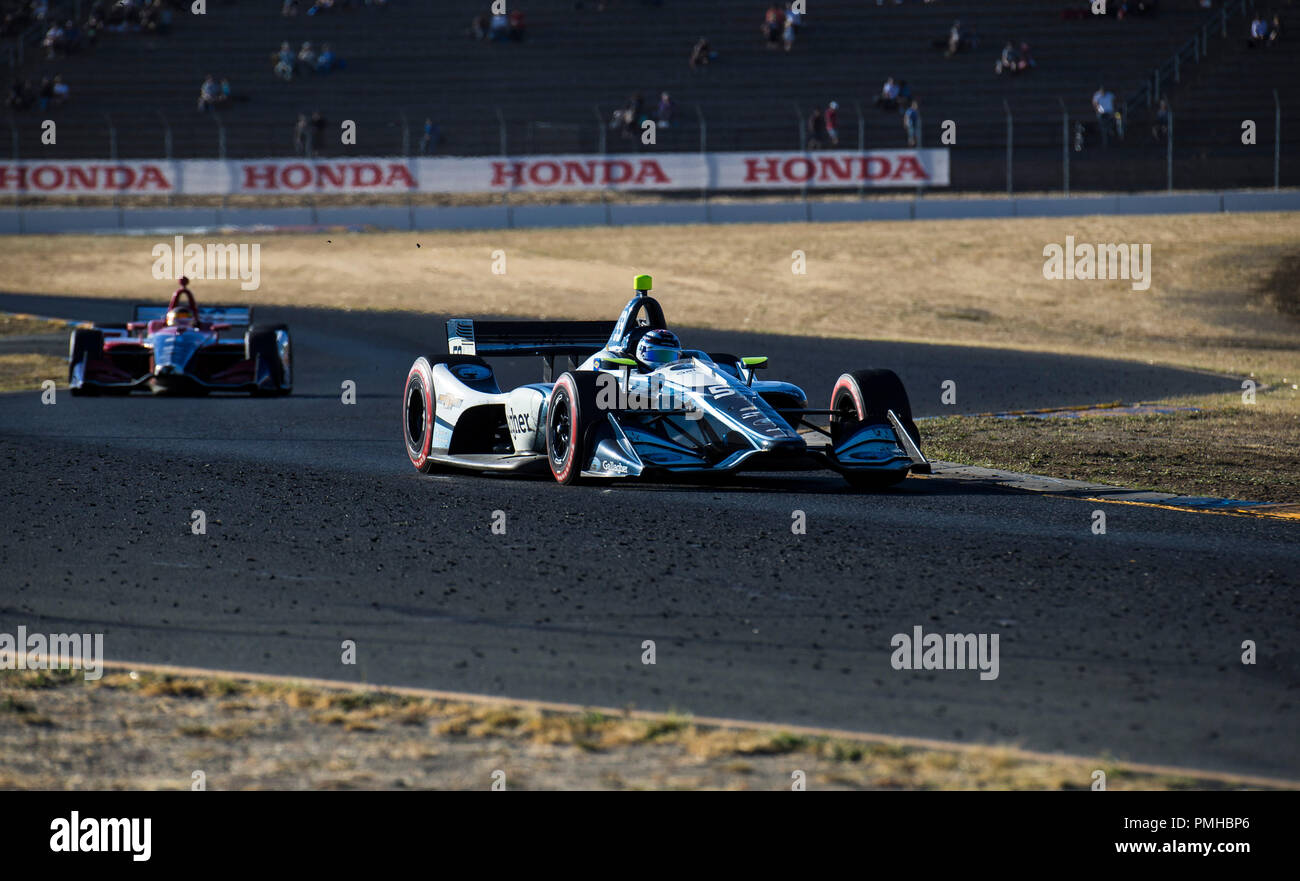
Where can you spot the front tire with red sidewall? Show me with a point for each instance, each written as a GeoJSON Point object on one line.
{"type": "Point", "coordinates": [862, 397]}
{"type": "Point", "coordinates": [571, 411]}
{"type": "Point", "coordinates": [418, 413]}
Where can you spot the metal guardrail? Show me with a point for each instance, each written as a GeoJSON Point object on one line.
{"type": "Point", "coordinates": [1193, 51]}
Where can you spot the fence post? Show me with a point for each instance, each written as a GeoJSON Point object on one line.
{"type": "Point", "coordinates": [862, 149]}
{"type": "Point", "coordinates": [221, 152]}
{"type": "Point", "coordinates": [604, 146]}
{"type": "Point", "coordinates": [803, 148]}
{"type": "Point", "coordinates": [704, 160]}
{"type": "Point", "coordinates": [167, 149]}
{"type": "Point", "coordinates": [13, 136]}
{"type": "Point", "coordinates": [1169, 154]}
{"type": "Point", "coordinates": [221, 139]}
{"type": "Point", "coordinates": [1065, 144]}
{"type": "Point", "coordinates": [1277, 141]}
{"type": "Point", "coordinates": [1010, 132]}
{"type": "Point", "coordinates": [112, 155]}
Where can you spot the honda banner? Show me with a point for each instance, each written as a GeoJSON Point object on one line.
{"type": "Point", "coordinates": [561, 173]}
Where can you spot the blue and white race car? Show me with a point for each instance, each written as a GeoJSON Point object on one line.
{"type": "Point", "coordinates": [636, 403]}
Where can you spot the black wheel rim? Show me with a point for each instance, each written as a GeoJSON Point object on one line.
{"type": "Point", "coordinates": [561, 428]}
{"type": "Point", "coordinates": [415, 417]}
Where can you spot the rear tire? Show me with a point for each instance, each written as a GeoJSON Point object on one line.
{"type": "Point", "coordinates": [85, 343]}
{"type": "Point", "coordinates": [261, 345]}
{"type": "Point", "coordinates": [863, 397]}
{"type": "Point", "coordinates": [571, 411]}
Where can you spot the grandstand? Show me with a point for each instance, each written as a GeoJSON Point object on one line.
{"type": "Point", "coordinates": [555, 90]}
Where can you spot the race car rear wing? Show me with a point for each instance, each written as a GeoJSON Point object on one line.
{"type": "Point", "coordinates": [235, 316]}
{"type": "Point", "coordinates": [576, 339]}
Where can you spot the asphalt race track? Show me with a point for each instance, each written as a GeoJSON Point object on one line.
{"type": "Point", "coordinates": [319, 530]}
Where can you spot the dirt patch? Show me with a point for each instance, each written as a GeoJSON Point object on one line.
{"type": "Point", "coordinates": [149, 731]}
{"type": "Point", "coordinates": [972, 282]}
{"type": "Point", "coordinates": [1281, 288]}
{"type": "Point", "coordinates": [1227, 450]}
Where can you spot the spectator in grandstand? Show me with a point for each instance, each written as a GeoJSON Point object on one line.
{"type": "Point", "coordinates": [328, 61]}
{"type": "Point", "coordinates": [953, 44]}
{"type": "Point", "coordinates": [1258, 32]}
{"type": "Point", "coordinates": [321, 6]}
{"type": "Point", "coordinates": [53, 41]}
{"type": "Point", "coordinates": [317, 131]}
{"type": "Point", "coordinates": [1027, 61]}
{"type": "Point", "coordinates": [1275, 30]}
{"type": "Point", "coordinates": [284, 62]}
{"type": "Point", "coordinates": [432, 135]}
{"type": "Point", "coordinates": [300, 135]}
{"type": "Point", "coordinates": [499, 29]}
{"type": "Point", "coordinates": [888, 97]}
{"type": "Point", "coordinates": [664, 113]}
{"type": "Point", "coordinates": [60, 90]}
{"type": "Point", "coordinates": [516, 25]}
{"type": "Point", "coordinates": [153, 18]}
{"type": "Point", "coordinates": [816, 129]}
{"type": "Point", "coordinates": [632, 115]}
{"type": "Point", "coordinates": [306, 60]}
{"type": "Point", "coordinates": [1008, 61]}
{"type": "Point", "coordinates": [793, 16]}
{"type": "Point", "coordinates": [289, 9]}
{"type": "Point", "coordinates": [20, 94]}
{"type": "Point", "coordinates": [478, 27]}
{"type": "Point", "coordinates": [912, 124]}
{"type": "Point", "coordinates": [702, 54]}
{"type": "Point", "coordinates": [832, 117]}
{"type": "Point", "coordinates": [209, 94]}
{"type": "Point", "coordinates": [40, 9]}
{"type": "Point", "coordinates": [45, 94]}
{"type": "Point", "coordinates": [94, 24]}
{"type": "Point", "coordinates": [787, 34]}
{"type": "Point", "coordinates": [773, 25]}
{"type": "Point", "coordinates": [1160, 128]}
{"type": "Point", "coordinates": [1103, 104]}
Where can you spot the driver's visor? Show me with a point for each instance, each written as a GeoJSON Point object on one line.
{"type": "Point", "coordinates": [662, 355]}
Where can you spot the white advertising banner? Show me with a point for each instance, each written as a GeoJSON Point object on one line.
{"type": "Point", "coordinates": [485, 174]}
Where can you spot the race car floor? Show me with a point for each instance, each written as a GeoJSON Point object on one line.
{"type": "Point", "coordinates": [1127, 643]}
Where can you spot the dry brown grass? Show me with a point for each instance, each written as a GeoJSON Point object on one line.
{"type": "Point", "coordinates": [152, 731]}
{"type": "Point", "coordinates": [1219, 297]}
{"type": "Point", "coordinates": [26, 371]}
{"type": "Point", "coordinates": [1227, 449]}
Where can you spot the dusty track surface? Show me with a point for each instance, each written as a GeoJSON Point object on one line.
{"type": "Point", "coordinates": [318, 531]}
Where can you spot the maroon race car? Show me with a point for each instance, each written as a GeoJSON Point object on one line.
{"type": "Point", "coordinates": [181, 349]}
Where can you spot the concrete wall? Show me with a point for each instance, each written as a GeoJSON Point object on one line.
{"type": "Point", "coordinates": [169, 220]}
